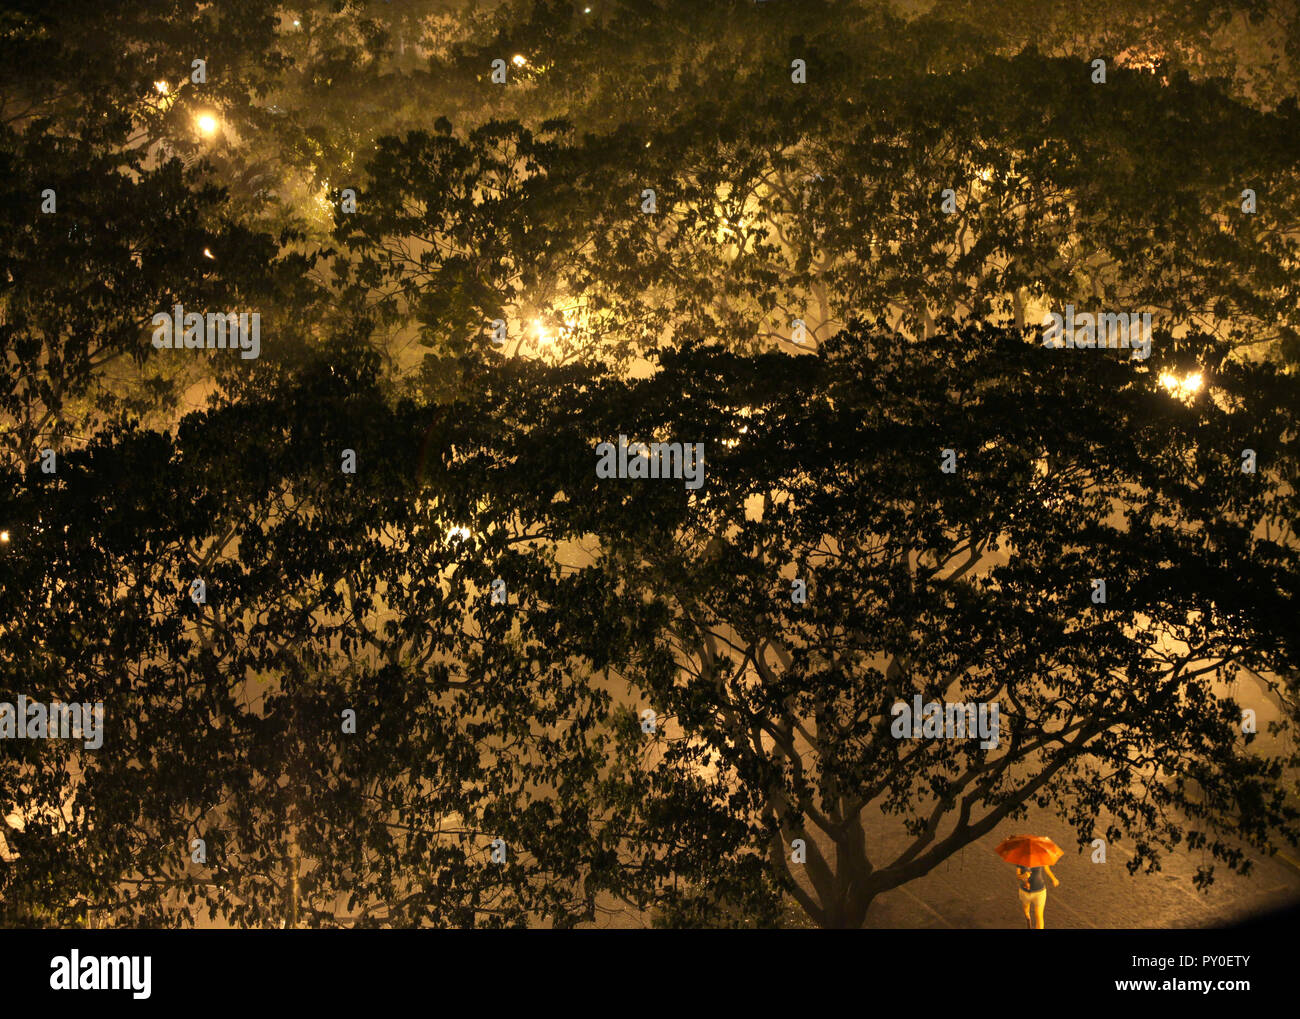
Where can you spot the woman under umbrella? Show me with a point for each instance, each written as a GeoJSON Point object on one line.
{"type": "Point", "coordinates": [1033, 856]}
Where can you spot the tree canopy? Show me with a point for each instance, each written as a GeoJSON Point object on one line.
{"type": "Point", "coordinates": [413, 687]}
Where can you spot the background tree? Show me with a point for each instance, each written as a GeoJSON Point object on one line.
{"type": "Point", "coordinates": [775, 204]}
{"type": "Point", "coordinates": [79, 285]}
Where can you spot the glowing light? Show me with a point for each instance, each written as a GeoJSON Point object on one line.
{"type": "Point", "coordinates": [1140, 59]}
{"type": "Point", "coordinates": [207, 253]}
{"type": "Point", "coordinates": [1184, 387]}
{"type": "Point", "coordinates": [586, 10]}
{"type": "Point", "coordinates": [206, 123]}
{"type": "Point", "coordinates": [162, 87]}
{"type": "Point", "coordinates": [4, 537]}
{"type": "Point", "coordinates": [742, 412]}
{"type": "Point", "coordinates": [519, 60]}
{"type": "Point", "coordinates": [543, 334]}
{"type": "Point", "coordinates": [297, 23]}
{"type": "Point", "coordinates": [458, 533]}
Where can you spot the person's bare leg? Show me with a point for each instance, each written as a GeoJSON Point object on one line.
{"type": "Point", "coordinates": [1040, 908]}
{"type": "Point", "coordinates": [1029, 922]}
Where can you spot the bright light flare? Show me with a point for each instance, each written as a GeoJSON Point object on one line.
{"type": "Point", "coordinates": [4, 537]}
{"type": "Point", "coordinates": [162, 87]}
{"type": "Point", "coordinates": [206, 123]}
{"type": "Point", "coordinates": [1188, 385]}
{"type": "Point", "coordinates": [519, 60]}
{"type": "Point", "coordinates": [458, 533]}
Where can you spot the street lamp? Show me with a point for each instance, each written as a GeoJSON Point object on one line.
{"type": "Point", "coordinates": [207, 124]}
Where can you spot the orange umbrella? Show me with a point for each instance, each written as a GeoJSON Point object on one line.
{"type": "Point", "coordinates": [1029, 851]}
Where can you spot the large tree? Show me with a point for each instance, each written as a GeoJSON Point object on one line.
{"type": "Point", "coordinates": [328, 591]}
{"type": "Point", "coordinates": [977, 586]}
